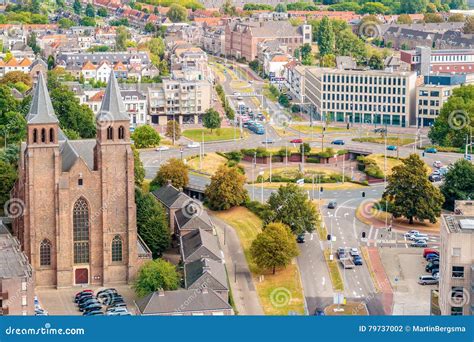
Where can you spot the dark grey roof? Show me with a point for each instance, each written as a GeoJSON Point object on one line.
{"type": "Point", "coordinates": [170, 302]}
{"type": "Point", "coordinates": [205, 272]}
{"type": "Point", "coordinates": [41, 110]}
{"type": "Point", "coordinates": [97, 57]}
{"type": "Point", "coordinates": [112, 108]}
{"type": "Point", "coordinates": [187, 220]}
{"type": "Point", "coordinates": [71, 150]}
{"type": "Point", "coordinates": [170, 196]}
{"type": "Point", "coordinates": [39, 61]}
{"type": "Point", "coordinates": [13, 263]}
{"type": "Point", "coordinates": [200, 244]}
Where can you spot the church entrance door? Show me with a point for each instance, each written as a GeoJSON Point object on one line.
{"type": "Point", "coordinates": [81, 276]}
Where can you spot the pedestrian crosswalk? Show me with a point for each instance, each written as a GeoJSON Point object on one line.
{"type": "Point", "coordinates": [381, 237]}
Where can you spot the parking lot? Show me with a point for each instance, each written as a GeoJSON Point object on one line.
{"type": "Point", "coordinates": [403, 267]}
{"type": "Point", "coordinates": [60, 301]}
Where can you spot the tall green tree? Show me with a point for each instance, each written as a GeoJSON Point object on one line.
{"type": "Point", "coordinates": [280, 8]}
{"type": "Point", "coordinates": [155, 275]}
{"type": "Point", "coordinates": [211, 119]}
{"type": "Point", "coordinates": [404, 19]}
{"type": "Point", "coordinates": [410, 194]}
{"type": "Point", "coordinates": [121, 37]}
{"type": "Point", "coordinates": [326, 37]}
{"type": "Point", "coordinates": [274, 247]}
{"type": "Point", "coordinates": [145, 136]}
{"type": "Point", "coordinates": [458, 183]}
{"type": "Point", "coordinates": [138, 169]}
{"type": "Point", "coordinates": [173, 130]}
{"type": "Point", "coordinates": [8, 177]}
{"type": "Point", "coordinates": [177, 13]}
{"type": "Point", "coordinates": [376, 62]}
{"type": "Point", "coordinates": [90, 11]}
{"type": "Point", "coordinates": [32, 43]}
{"type": "Point", "coordinates": [226, 189]}
{"type": "Point", "coordinates": [152, 222]}
{"type": "Point", "coordinates": [412, 6]}
{"type": "Point", "coordinates": [175, 171]}
{"type": "Point", "coordinates": [291, 205]}
{"type": "Point", "coordinates": [77, 7]}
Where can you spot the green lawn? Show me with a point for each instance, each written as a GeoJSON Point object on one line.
{"type": "Point", "coordinates": [284, 284]}
{"type": "Point", "coordinates": [334, 272]}
{"type": "Point", "coordinates": [317, 129]}
{"type": "Point", "coordinates": [391, 140]}
{"type": "Point", "coordinates": [216, 134]}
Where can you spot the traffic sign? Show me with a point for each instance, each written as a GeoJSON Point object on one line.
{"type": "Point", "coordinates": [300, 181]}
{"type": "Point", "coordinates": [468, 157]}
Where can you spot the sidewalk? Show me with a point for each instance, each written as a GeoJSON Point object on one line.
{"type": "Point", "coordinates": [383, 283]}
{"type": "Point", "coordinates": [240, 279]}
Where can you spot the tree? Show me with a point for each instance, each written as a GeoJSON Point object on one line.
{"type": "Point", "coordinates": [412, 6]}
{"type": "Point", "coordinates": [374, 8]}
{"type": "Point", "coordinates": [152, 222]}
{"type": "Point", "coordinates": [173, 130]}
{"type": "Point", "coordinates": [326, 37]}
{"type": "Point", "coordinates": [456, 18]}
{"type": "Point", "coordinates": [305, 148]}
{"type": "Point", "coordinates": [328, 61]}
{"type": "Point", "coordinates": [274, 247]}
{"type": "Point", "coordinates": [60, 3]}
{"type": "Point", "coordinates": [305, 50]}
{"type": "Point", "coordinates": [376, 62]}
{"type": "Point", "coordinates": [468, 27]}
{"type": "Point", "coordinates": [226, 189]}
{"type": "Point", "coordinates": [174, 171]}
{"type": "Point", "coordinates": [432, 18]}
{"type": "Point", "coordinates": [87, 21]}
{"type": "Point", "coordinates": [456, 118]}
{"type": "Point", "coordinates": [283, 100]}
{"type": "Point", "coordinates": [410, 194]}
{"type": "Point", "coordinates": [77, 7]}
{"type": "Point", "coordinates": [290, 205]}
{"type": "Point", "coordinates": [90, 12]}
{"type": "Point", "coordinates": [102, 12]}
{"type": "Point", "coordinates": [349, 44]}
{"type": "Point", "coordinates": [228, 8]}
{"type": "Point", "coordinates": [431, 8]}
{"type": "Point", "coordinates": [404, 19]}
{"type": "Point", "coordinates": [51, 62]}
{"type": "Point", "coordinates": [211, 119]}
{"type": "Point", "coordinates": [8, 177]}
{"type": "Point", "coordinates": [65, 23]}
{"type": "Point", "coordinates": [280, 8]}
{"type": "Point", "coordinates": [155, 275]}
{"type": "Point", "coordinates": [31, 42]}
{"type": "Point", "coordinates": [35, 6]}
{"type": "Point", "coordinates": [458, 183]}
{"type": "Point", "coordinates": [150, 28]}
{"type": "Point", "coordinates": [13, 77]}
{"type": "Point", "coordinates": [345, 7]}
{"type": "Point", "coordinates": [177, 13]}
{"type": "Point", "coordinates": [121, 37]}
{"type": "Point", "coordinates": [145, 136]}
{"type": "Point", "coordinates": [138, 168]}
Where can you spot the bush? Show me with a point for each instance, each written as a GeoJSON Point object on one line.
{"type": "Point", "coordinates": [260, 209]}
{"type": "Point", "coordinates": [312, 160]}
{"type": "Point", "coordinates": [261, 152]}
{"type": "Point", "coordinates": [370, 168]}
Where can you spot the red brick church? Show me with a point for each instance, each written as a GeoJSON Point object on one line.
{"type": "Point", "coordinates": [79, 224]}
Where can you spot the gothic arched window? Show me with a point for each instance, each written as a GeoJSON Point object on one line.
{"type": "Point", "coordinates": [45, 253]}
{"type": "Point", "coordinates": [110, 133]}
{"type": "Point", "coordinates": [35, 136]}
{"type": "Point", "coordinates": [117, 248]}
{"type": "Point", "coordinates": [51, 135]}
{"type": "Point", "coordinates": [43, 135]}
{"type": "Point", "coordinates": [80, 218]}
{"type": "Point", "coordinates": [121, 132]}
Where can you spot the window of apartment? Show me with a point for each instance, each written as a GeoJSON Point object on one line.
{"type": "Point", "coordinates": [456, 251]}
{"type": "Point", "coordinates": [24, 301]}
{"type": "Point", "coordinates": [23, 285]}
{"type": "Point", "coordinates": [458, 272]}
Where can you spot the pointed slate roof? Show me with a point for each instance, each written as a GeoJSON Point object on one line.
{"type": "Point", "coordinates": [41, 110]}
{"type": "Point", "coordinates": [112, 108]}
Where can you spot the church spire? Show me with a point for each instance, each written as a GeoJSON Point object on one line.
{"type": "Point", "coordinates": [112, 108]}
{"type": "Point", "coordinates": [41, 110]}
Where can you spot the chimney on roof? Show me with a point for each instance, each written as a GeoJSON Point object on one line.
{"type": "Point", "coordinates": [204, 290]}
{"type": "Point", "coordinates": [206, 267]}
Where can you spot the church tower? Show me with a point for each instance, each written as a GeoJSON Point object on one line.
{"type": "Point", "coordinates": [42, 172]}
{"type": "Point", "coordinates": [113, 158]}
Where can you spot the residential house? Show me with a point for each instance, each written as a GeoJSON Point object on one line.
{"type": "Point", "coordinates": [207, 273]}
{"type": "Point", "coordinates": [200, 244]}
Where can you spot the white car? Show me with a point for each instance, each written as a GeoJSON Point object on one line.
{"type": "Point", "coordinates": [162, 148]}
{"type": "Point", "coordinates": [354, 251]}
{"type": "Point", "coordinates": [194, 145]}
{"type": "Point", "coordinates": [437, 164]}
{"type": "Point", "coordinates": [415, 237]}
{"type": "Point", "coordinates": [412, 232]}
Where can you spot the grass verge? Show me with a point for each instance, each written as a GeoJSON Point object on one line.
{"type": "Point", "coordinates": [391, 140]}
{"type": "Point", "coordinates": [226, 133]}
{"type": "Point", "coordinates": [285, 283]}
{"type": "Point", "coordinates": [334, 272]}
{"type": "Point", "coordinates": [210, 163]}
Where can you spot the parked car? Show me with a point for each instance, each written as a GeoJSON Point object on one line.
{"type": "Point", "coordinates": [431, 256]}
{"type": "Point", "coordinates": [120, 313]}
{"type": "Point", "coordinates": [92, 307]}
{"type": "Point", "coordinates": [117, 309]}
{"type": "Point", "coordinates": [435, 178]}
{"type": "Point", "coordinates": [358, 260]}
{"type": "Point", "coordinates": [391, 148]}
{"type": "Point", "coordinates": [296, 141]}
{"type": "Point", "coordinates": [431, 265]}
{"type": "Point", "coordinates": [84, 305]}
{"type": "Point", "coordinates": [80, 295]}
{"type": "Point", "coordinates": [427, 280]}
{"type": "Point", "coordinates": [319, 312]}
{"type": "Point", "coordinates": [431, 150]}
{"type": "Point", "coordinates": [437, 164]}
{"type": "Point", "coordinates": [332, 205]}
{"type": "Point", "coordinates": [435, 270]}
{"type": "Point", "coordinates": [419, 243]}
{"type": "Point", "coordinates": [300, 238]}
{"type": "Point", "coordinates": [427, 251]}
{"type": "Point", "coordinates": [338, 142]}
{"type": "Point", "coordinates": [117, 305]}
{"type": "Point", "coordinates": [93, 313]}
{"type": "Point", "coordinates": [85, 300]}
{"type": "Point", "coordinates": [194, 144]}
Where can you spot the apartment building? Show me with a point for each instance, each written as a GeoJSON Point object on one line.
{"type": "Point", "coordinates": [295, 79]}
{"type": "Point", "coordinates": [243, 36]}
{"type": "Point", "coordinates": [362, 96]}
{"type": "Point", "coordinates": [213, 40]}
{"type": "Point", "coordinates": [182, 100]}
{"type": "Point", "coordinates": [456, 296]}
{"type": "Point", "coordinates": [424, 60]}
{"type": "Point", "coordinates": [16, 277]}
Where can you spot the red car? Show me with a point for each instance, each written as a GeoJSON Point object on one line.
{"type": "Point", "coordinates": [296, 141]}
{"type": "Point", "coordinates": [427, 251]}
